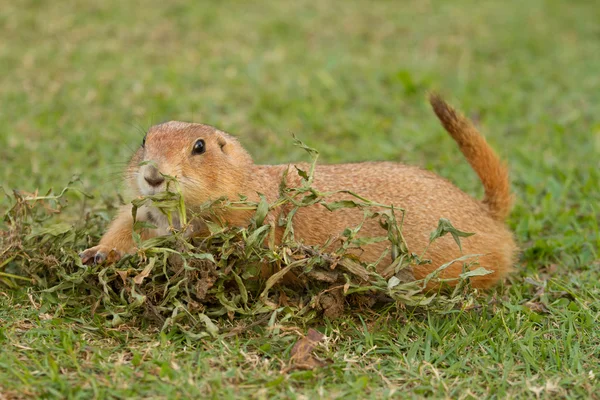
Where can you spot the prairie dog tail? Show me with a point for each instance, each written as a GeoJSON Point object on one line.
{"type": "Point", "coordinates": [491, 170]}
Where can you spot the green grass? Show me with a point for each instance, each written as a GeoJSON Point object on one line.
{"type": "Point", "coordinates": [80, 82]}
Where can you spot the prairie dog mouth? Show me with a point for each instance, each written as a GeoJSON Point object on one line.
{"type": "Point", "coordinates": [150, 180]}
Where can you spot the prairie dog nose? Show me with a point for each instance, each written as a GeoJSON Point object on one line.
{"type": "Point", "coordinates": [153, 177]}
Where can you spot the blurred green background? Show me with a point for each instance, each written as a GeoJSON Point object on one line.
{"type": "Point", "coordinates": [81, 81]}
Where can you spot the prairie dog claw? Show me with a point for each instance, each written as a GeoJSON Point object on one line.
{"type": "Point", "coordinates": [99, 254]}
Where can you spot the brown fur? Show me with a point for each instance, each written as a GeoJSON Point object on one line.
{"type": "Point", "coordinates": [226, 169]}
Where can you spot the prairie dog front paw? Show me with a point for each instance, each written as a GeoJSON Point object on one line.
{"type": "Point", "coordinates": [100, 254]}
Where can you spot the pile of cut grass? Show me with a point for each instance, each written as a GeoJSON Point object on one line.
{"type": "Point", "coordinates": [177, 283]}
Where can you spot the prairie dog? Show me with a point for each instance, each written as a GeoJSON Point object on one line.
{"type": "Point", "coordinates": [209, 164]}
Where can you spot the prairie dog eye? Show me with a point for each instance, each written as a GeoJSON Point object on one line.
{"type": "Point", "coordinates": [144, 141]}
{"type": "Point", "coordinates": [199, 147]}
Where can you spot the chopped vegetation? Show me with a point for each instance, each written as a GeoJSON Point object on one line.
{"type": "Point", "coordinates": [175, 282]}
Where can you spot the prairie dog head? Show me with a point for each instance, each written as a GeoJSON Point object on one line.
{"type": "Point", "coordinates": [206, 162]}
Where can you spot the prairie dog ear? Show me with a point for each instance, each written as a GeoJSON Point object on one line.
{"type": "Point", "coordinates": [233, 149]}
{"type": "Point", "coordinates": [222, 142]}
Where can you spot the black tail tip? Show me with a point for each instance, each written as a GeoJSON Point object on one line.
{"type": "Point", "coordinates": [437, 102]}
{"type": "Point", "coordinates": [442, 109]}
{"type": "Point", "coordinates": [435, 99]}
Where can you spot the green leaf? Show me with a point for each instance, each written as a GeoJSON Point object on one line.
{"type": "Point", "coordinates": [302, 173]}
{"type": "Point", "coordinates": [53, 230]}
{"type": "Point", "coordinates": [393, 282]}
{"type": "Point", "coordinates": [243, 291]}
{"type": "Point", "coordinates": [211, 328]}
{"type": "Point", "coordinates": [444, 227]}
{"type": "Point", "coordinates": [256, 238]}
{"type": "Point", "coordinates": [202, 256]}
{"type": "Point", "coordinates": [139, 225]}
{"type": "Point", "coordinates": [261, 211]}
{"type": "Point", "coordinates": [476, 272]}
{"type": "Point", "coordinates": [336, 205]}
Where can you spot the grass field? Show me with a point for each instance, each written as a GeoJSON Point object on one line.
{"type": "Point", "coordinates": [80, 82]}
